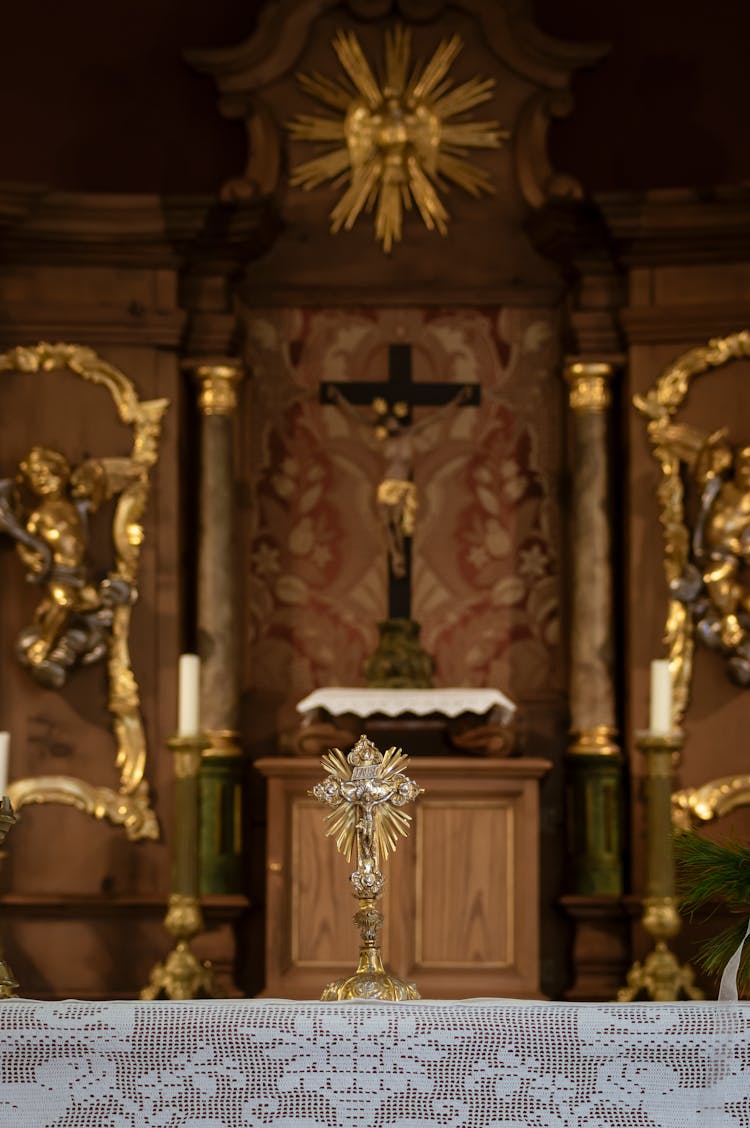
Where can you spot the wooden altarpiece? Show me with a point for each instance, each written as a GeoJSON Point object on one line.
{"type": "Point", "coordinates": [328, 306]}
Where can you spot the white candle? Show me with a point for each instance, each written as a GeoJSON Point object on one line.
{"type": "Point", "coordinates": [660, 722]}
{"type": "Point", "coordinates": [188, 702]}
{"type": "Point", "coordinates": [4, 757]}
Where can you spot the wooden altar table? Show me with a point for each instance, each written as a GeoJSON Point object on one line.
{"type": "Point", "coordinates": [475, 1064]}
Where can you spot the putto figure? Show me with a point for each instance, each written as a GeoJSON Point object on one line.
{"type": "Point", "coordinates": [714, 582]}
{"type": "Point", "coordinates": [46, 510]}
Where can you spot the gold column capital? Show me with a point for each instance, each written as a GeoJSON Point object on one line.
{"type": "Point", "coordinates": [599, 740]}
{"type": "Point", "coordinates": [221, 742]}
{"type": "Point", "coordinates": [218, 386]}
{"type": "Point", "coordinates": [589, 385]}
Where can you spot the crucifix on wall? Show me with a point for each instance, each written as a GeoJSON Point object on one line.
{"type": "Point", "coordinates": [389, 427]}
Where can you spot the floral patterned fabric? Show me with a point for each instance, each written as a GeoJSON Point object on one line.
{"type": "Point", "coordinates": [404, 1065]}
{"type": "Point", "coordinates": [486, 580]}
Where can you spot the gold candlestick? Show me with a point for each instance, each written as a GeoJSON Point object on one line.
{"type": "Point", "coordinates": [661, 976]}
{"type": "Point", "coordinates": [182, 975]}
{"type": "Point", "coordinates": [365, 791]}
{"type": "Point", "coordinates": [8, 983]}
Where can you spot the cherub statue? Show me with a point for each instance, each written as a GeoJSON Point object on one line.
{"type": "Point", "coordinates": [396, 442]}
{"type": "Point", "coordinates": [72, 618]}
{"type": "Point", "coordinates": [715, 580]}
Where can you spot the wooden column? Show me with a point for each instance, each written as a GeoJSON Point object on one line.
{"type": "Point", "coordinates": [594, 762]}
{"type": "Point", "coordinates": [218, 615]}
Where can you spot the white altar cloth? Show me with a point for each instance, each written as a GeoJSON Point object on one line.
{"type": "Point", "coordinates": [363, 701]}
{"type": "Point", "coordinates": [480, 1064]}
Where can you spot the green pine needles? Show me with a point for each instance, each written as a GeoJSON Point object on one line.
{"type": "Point", "coordinates": [709, 872]}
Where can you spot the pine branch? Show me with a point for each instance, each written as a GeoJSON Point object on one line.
{"type": "Point", "coordinates": [715, 954]}
{"type": "Point", "coordinates": [710, 871]}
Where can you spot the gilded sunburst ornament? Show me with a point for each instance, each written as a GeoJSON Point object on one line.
{"type": "Point", "coordinates": [397, 141]}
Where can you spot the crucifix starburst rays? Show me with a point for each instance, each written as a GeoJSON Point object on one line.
{"type": "Point", "coordinates": [397, 141]}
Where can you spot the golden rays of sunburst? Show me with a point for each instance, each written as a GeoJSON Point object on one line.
{"type": "Point", "coordinates": [389, 822]}
{"type": "Point", "coordinates": [396, 140]}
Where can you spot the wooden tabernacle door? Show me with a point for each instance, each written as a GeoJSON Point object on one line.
{"type": "Point", "coordinates": [461, 899]}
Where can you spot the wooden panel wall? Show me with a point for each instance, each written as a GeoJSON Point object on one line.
{"type": "Point", "coordinates": [81, 904]}
{"type": "Point", "coordinates": [687, 260]}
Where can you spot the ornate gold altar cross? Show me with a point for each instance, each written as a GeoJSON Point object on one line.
{"type": "Point", "coordinates": [365, 791]}
{"type": "Point", "coordinates": [395, 140]}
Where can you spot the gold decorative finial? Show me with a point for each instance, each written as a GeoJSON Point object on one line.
{"type": "Point", "coordinates": [365, 791]}
{"type": "Point", "coordinates": [395, 140]}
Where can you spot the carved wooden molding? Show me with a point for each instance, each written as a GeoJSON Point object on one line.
{"type": "Point", "coordinates": [674, 226]}
{"type": "Point", "coordinates": [38, 225]}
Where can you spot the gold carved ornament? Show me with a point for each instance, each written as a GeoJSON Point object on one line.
{"type": "Point", "coordinates": [127, 479]}
{"type": "Point", "coordinates": [397, 142]}
{"type": "Point", "coordinates": [589, 383]}
{"type": "Point", "coordinates": [695, 805]}
{"type": "Point", "coordinates": [218, 388]}
{"type": "Point", "coordinates": [673, 446]}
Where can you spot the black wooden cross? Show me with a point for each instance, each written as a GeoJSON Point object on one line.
{"type": "Point", "coordinates": [401, 394]}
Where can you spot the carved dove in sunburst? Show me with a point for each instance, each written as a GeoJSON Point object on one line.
{"type": "Point", "coordinates": [397, 142]}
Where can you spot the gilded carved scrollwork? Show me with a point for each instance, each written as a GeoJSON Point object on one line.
{"type": "Point", "coordinates": [50, 537]}
{"type": "Point", "coordinates": [704, 565]}
{"type": "Point", "coordinates": [695, 805]}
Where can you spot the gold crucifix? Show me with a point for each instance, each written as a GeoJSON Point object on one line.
{"type": "Point", "coordinates": [366, 791]}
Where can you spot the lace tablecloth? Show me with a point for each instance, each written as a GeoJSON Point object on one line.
{"type": "Point", "coordinates": [380, 1065]}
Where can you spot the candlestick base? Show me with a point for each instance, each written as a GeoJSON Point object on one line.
{"type": "Point", "coordinates": [8, 985]}
{"type": "Point", "coordinates": [661, 977]}
{"type": "Point", "coordinates": [182, 975]}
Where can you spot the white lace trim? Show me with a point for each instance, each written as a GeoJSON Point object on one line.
{"type": "Point", "coordinates": [364, 702]}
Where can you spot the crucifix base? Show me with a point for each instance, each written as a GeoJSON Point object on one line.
{"type": "Point", "coordinates": [370, 981]}
{"type": "Point", "coordinates": [399, 661]}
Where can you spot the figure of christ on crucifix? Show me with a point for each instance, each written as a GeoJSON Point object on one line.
{"type": "Point", "coordinates": [388, 427]}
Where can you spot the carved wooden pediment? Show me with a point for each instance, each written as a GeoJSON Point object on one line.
{"type": "Point", "coordinates": [529, 74]}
